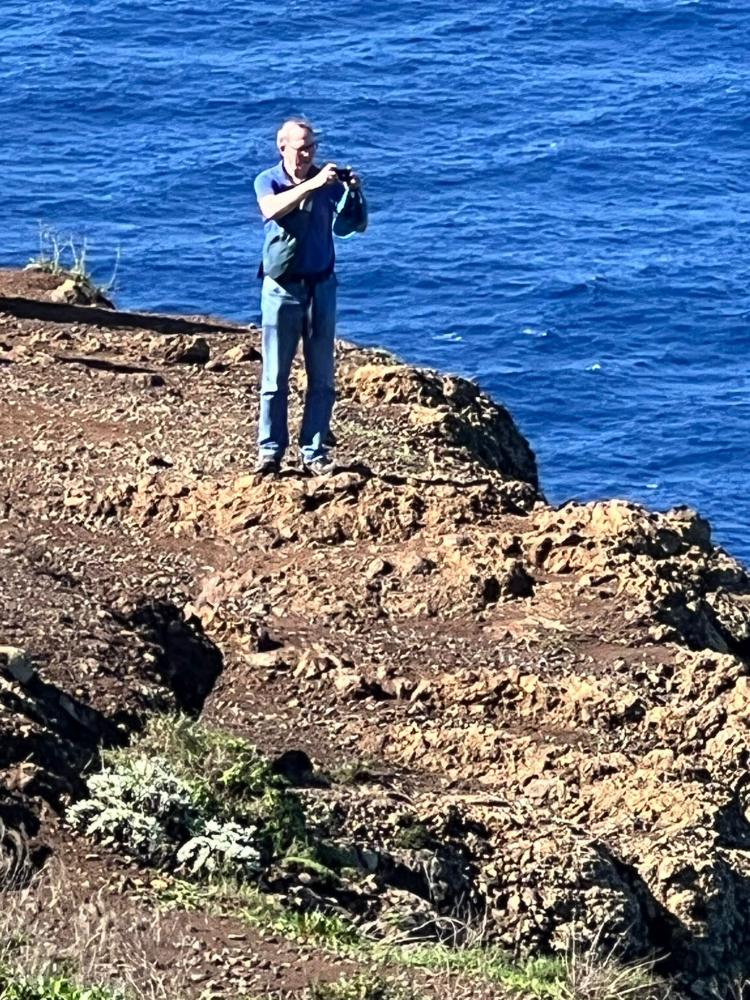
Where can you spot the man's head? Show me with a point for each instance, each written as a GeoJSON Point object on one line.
{"type": "Point", "coordinates": [297, 141]}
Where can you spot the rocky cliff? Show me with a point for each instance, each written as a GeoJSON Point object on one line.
{"type": "Point", "coordinates": [542, 712]}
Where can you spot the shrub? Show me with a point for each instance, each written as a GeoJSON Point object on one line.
{"type": "Point", "coordinates": [139, 803]}
{"type": "Point", "coordinates": [222, 847]}
{"type": "Point", "coordinates": [228, 776]}
{"type": "Point", "coordinates": [189, 798]}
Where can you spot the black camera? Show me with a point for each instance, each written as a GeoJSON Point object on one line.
{"type": "Point", "coordinates": [344, 174]}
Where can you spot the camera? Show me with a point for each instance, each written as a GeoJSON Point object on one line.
{"type": "Point", "coordinates": [344, 174]}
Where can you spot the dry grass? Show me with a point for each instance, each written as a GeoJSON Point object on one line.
{"type": "Point", "coordinates": [738, 990]}
{"type": "Point", "coordinates": [595, 972]}
{"type": "Point", "coordinates": [44, 932]}
{"type": "Point", "coordinates": [15, 865]}
{"type": "Point", "coordinates": [383, 982]}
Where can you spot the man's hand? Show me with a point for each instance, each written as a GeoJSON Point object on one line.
{"type": "Point", "coordinates": [276, 206]}
{"type": "Point", "coordinates": [326, 175]}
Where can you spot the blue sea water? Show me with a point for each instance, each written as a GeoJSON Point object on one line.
{"type": "Point", "coordinates": [559, 198]}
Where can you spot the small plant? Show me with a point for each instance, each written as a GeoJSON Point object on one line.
{"type": "Point", "coordinates": [68, 257]}
{"type": "Point", "coordinates": [412, 834]}
{"type": "Point", "coordinates": [369, 986]}
{"type": "Point", "coordinates": [325, 929]}
{"type": "Point", "coordinates": [597, 974]}
{"type": "Point", "coordinates": [52, 987]}
{"type": "Point", "coordinates": [540, 977]}
{"type": "Point", "coordinates": [189, 798]}
{"type": "Point", "coordinates": [138, 803]}
{"type": "Point", "coordinates": [222, 847]}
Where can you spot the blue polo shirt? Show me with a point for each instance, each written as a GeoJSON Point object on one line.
{"type": "Point", "coordinates": [315, 253]}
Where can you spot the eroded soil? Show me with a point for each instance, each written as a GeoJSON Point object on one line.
{"type": "Point", "coordinates": [556, 698]}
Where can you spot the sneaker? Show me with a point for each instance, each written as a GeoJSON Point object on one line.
{"type": "Point", "coordinates": [318, 466]}
{"type": "Point", "coordinates": [267, 465]}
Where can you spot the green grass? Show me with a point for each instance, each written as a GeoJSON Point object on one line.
{"type": "Point", "coordinates": [369, 986]}
{"type": "Point", "coordinates": [539, 977]}
{"type": "Point", "coordinates": [263, 911]}
{"type": "Point", "coordinates": [52, 987]}
{"type": "Point", "coordinates": [326, 930]}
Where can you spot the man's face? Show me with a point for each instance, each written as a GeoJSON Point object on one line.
{"type": "Point", "coordinates": [298, 152]}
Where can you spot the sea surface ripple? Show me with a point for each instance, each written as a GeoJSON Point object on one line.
{"type": "Point", "coordinates": [559, 198]}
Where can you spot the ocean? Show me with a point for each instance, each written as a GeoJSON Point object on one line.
{"type": "Point", "coordinates": [559, 199]}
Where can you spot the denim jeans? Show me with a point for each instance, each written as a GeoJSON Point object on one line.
{"type": "Point", "coordinates": [288, 314]}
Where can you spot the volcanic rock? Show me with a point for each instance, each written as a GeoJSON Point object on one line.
{"type": "Point", "coordinates": [546, 707]}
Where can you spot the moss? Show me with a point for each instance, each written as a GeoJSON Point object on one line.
{"type": "Point", "coordinates": [412, 834]}
{"type": "Point", "coordinates": [336, 857]}
{"type": "Point", "coordinates": [307, 863]}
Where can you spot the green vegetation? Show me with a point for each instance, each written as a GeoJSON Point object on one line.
{"type": "Point", "coordinates": [327, 930]}
{"type": "Point", "coordinates": [263, 911]}
{"type": "Point", "coordinates": [52, 987]}
{"type": "Point", "coordinates": [540, 977]}
{"type": "Point", "coordinates": [412, 834]}
{"type": "Point", "coordinates": [591, 976]}
{"type": "Point", "coordinates": [228, 775]}
{"type": "Point", "coordinates": [365, 987]}
{"type": "Point", "coordinates": [186, 797]}
{"type": "Point", "coordinates": [206, 805]}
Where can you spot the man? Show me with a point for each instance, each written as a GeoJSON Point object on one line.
{"type": "Point", "coordinates": [303, 206]}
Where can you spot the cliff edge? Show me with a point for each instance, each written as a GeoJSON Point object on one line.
{"type": "Point", "coordinates": [528, 716]}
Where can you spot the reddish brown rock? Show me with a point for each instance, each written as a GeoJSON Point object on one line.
{"type": "Point", "coordinates": [555, 701]}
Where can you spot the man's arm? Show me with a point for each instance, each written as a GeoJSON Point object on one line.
{"type": "Point", "coordinates": [276, 206]}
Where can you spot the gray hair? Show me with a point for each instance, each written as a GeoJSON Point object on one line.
{"type": "Point", "coordinates": [283, 134]}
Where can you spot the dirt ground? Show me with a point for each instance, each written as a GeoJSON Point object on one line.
{"type": "Point", "coordinates": [559, 695]}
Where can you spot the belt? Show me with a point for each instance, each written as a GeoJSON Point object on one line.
{"type": "Point", "coordinates": [308, 280]}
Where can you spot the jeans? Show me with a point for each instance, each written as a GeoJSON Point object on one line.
{"type": "Point", "coordinates": [288, 313]}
